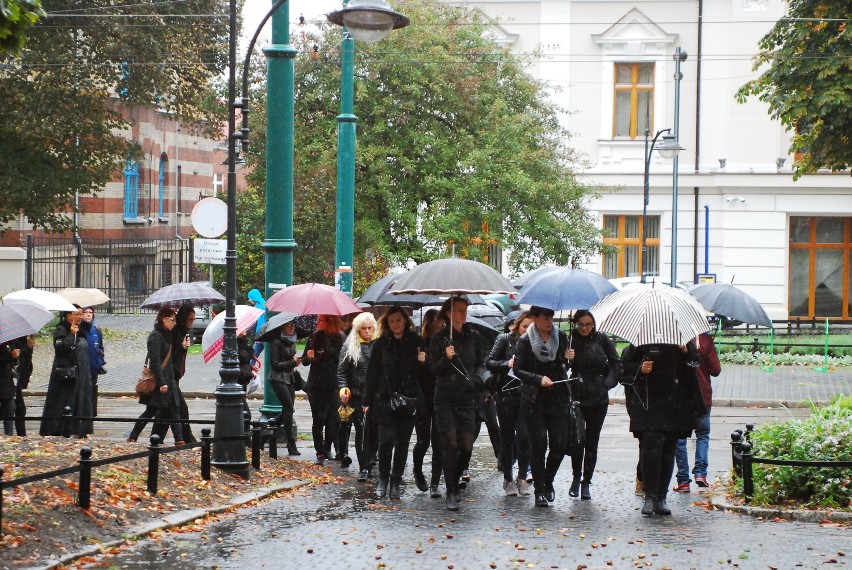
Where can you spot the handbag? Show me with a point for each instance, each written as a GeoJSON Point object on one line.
{"type": "Point", "coordinates": [66, 373]}
{"type": "Point", "coordinates": [146, 384]}
{"type": "Point", "coordinates": [402, 406]}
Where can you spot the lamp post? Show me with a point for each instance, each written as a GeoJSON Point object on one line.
{"type": "Point", "coordinates": [679, 57]}
{"type": "Point", "coordinates": [369, 21]}
{"type": "Point", "coordinates": [668, 148]}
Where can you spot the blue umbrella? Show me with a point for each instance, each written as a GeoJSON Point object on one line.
{"type": "Point", "coordinates": [565, 289]}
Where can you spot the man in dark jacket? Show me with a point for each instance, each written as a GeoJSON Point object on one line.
{"type": "Point", "coordinates": [708, 366]}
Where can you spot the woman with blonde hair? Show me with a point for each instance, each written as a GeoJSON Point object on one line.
{"type": "Point", "coordinates": [351, 381]}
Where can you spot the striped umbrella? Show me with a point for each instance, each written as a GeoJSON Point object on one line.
{"type": "Point", "coordinates": [196, 293]}
{"type": "Point", "coordinates": [645, 314]}
{"type": "Point", "coordinates": [214, 335]}
{"type": "Point", "coordinates": [21, 318]}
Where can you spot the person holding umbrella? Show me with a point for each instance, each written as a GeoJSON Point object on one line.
{"type": "Point", "coordinates": [9, 353]}
{"type": "Point", "coordinates": [393, 395]}
{"type": "Point", "coordinates": [457, 356]}
{"type": "Point", "coordinates": [95, 340]}
{"type": "Point", "coordinates": [322, 354]}
{"type": "Point", "coordinates": [425, 427]}
{"type": "Point", "coordinates": [351, 382]}
{"type": "Point", "coordinates": [597, 368]}
{"type": "Point", "coordinates": [540, 361]}
{"type": "Point", "coordinates": [663, 402]}
{"type": "Point", "coordinates": [285, 380]}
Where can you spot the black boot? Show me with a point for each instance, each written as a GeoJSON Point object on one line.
{"type": "Point", "coordinates": [574, 491]}
{"type": "Point", "coordinates": [549, 492]}
{"type": "Point", "coordinates": [661, 508]}
{"type": "Point", "coordinates": [345, 461]}
{"type": "Point", "coordinates": [363, 475]}
{"type": "Point", "coordinates": [648, 507]}
{"type": "Point", "coordinates": [540, 500]}
{"type": "Point", "coordinates": [395, 488]}
{"type": "Point", "coordinates": [420, 479]}
{"type": "Point", "coordinates": [585, 494]}
{"type": "Point", "coordinates": [433, 487]}
{"type": "Point", "coordinates": [382, 487]}
{"type": "Point", "coordinates": [291, 447]}
{"type": "Point", "coordinates": [452, 501]}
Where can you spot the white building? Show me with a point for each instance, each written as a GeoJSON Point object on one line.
{"type": "Point", "coordinates": [740, 215]}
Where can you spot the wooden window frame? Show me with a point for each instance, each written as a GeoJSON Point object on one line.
{"type": "Point", "coordinates": [634, 88]}
{"type": "Point", "coordinates": [812, 247]}
{"type": "Point", "coordinates": [620, 241]}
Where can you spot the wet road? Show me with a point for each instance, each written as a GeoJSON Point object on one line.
{"type": "Point", "coordinates": [337, 526]}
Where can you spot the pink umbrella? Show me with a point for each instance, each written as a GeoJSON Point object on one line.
{"type": "Point", "coordinates": [312, 299]}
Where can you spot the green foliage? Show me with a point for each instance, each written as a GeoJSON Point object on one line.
{"type": "Point", "coordinates": [807, 82]}
{"type": "Point", "coordinates": [823, 436]}
{"type": "Point", "coordinates": [61, 131]}
{"type": "Point", "coordinates": [456, 145]}
{"type": "Point", "coordinates": [16, 17]}
{"type": "Point", "coordinates": [782, 359]}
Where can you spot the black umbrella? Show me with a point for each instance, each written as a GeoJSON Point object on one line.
{"type": "Point", "coordinates": [196, 294]}
{"type": "Point", "coordinates": [378, 294]}
{"type": "Point", "coordinates": [452, 276]}
{"type": "Point", "coordinates": [270, 330]}
{"type": "Point", "coordinates": [729, 301]}
{"type": "Point", "coordinates": [489, 332]}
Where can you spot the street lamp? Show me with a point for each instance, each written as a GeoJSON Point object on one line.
{"type": "Point", "coordinates": [368, 21]}
{"type": "Point", "coordinates": [679, 57]}
{"type": "Point", "coordinates": [668, 148]}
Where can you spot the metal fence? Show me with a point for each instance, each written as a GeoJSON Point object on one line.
{"type": "Point", "coordinates": [128, 270]}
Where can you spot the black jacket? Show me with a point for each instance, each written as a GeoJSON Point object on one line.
{"type": "Point", "coordinates": [245, 354]}
{"type": "Point", "coordinates": [7, 370]}
{"type": "Point", "coordinates": [498, 364]}
{"type": "Point", "coordinates": [595, 357]}
{"type": "Point", "coordinates": [323, 374]}
{"type": "Point", "coordinates": [25, 363]}
{"type": "Point", "coordinates": [393, 367]}
{"type": "Point", "coordinates": [71, 351]}
{"type": "Point", "coordinates": [668, 399]}
{"type": "Point", "coordinates": [159, 344]}
{"type": "Point", "coordinates": [460, 379]}
{"type": "Point", "coordinates": [281, 353]}
{"type": "Point", "coordinates": [353, 375]}
{"type": "Point", "coordinates": [531, 370]}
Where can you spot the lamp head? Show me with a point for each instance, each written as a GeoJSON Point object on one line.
{"type": "Point", "coordinates": [668, 146]}
{"type": "Point", "coordinates": [368, 20]}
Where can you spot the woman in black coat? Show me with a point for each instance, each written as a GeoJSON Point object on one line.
{"type": "Point", "coordinates": [351, 383]}
{"type": "Point", "coordinates": [396, 363]}
{"type": "Point", "coordinates": [284, 380]}
{"type": "Point", "coordinates": [663, 402]}
{"type": "Point", "coordinates": [507, 390]}
{"type": "Point", "coordinates": [164, 403]}
{"type": "Point", "coordinates": [540, 360]}
{"type": "Point", "coordinates": [457, 356]}
{"type": "Point", "coordinates": [322, 354]}
{"type": "Point", "coordinates": [425, 426]}
{"type": "Point", "coordinates": [70, 380]}
{"type": "Point", "coordinates": [595, 369]}
{"type": "Point", "coordinates": [181, 341]}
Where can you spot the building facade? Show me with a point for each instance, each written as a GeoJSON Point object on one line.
{"type": "Point", "coordinates": [740, 216]}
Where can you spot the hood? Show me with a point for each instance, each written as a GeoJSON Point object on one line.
{"type": "Point", "coordinates": [254, 295]}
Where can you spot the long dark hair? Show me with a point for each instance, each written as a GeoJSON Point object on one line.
{"type": "Point", "coordinates": [395, 309]}
{"type": "Point", "coordinates": [164, 313]}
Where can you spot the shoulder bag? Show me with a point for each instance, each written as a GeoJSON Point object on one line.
{"type": "Point", "coordinates": [146, 385]}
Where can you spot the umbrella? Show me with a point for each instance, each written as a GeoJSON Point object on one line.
{"type": "Point", "coordinates": [268, 331]}
{"type": "Point", "coordinates": [47, 299]}
{"type": "Point", "coordinates": [21, 318]}
{"type": "Point", "coordinates": [565, 288]}
{"type": "Point", "coordinates": [214, 336]}
{"type": "Point", "coordinates": [452, 276]}
{"type": "Point", "coordinates": [725, 299]}
{"type": "Point", "coordinates": [651, 315]}
{"type": "Point", "coordinates": [378, 294]}
{"type": "Point", "coordinates": [195, 294]}
{"type": "Point", "coordinates": [312, 299]}
{"type": "Point", "coordinates": [85, 297]}
{"type": "Point", "coordinates": [489, 332]}
{"type": "Point", "coordinates": [524, 278]}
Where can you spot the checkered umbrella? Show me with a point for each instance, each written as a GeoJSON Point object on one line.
{"type": "Point", "coordinates": [196, 294]}
{"type": "Point", "coordinates": [646, 314]}
{"type": "Point", "coordinates": [21, 318]}
{"type": "Point", "coordinates": [214, 335]}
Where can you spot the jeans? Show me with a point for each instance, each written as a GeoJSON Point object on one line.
{"type": "Point", "coordinates": [702, 445]}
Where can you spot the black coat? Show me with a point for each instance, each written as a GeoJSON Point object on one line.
{"type": "Point", "coordinates": [353, 375]}
{"type": "Point", "coordinates": [179, 353]}
{"type": "Point", "coordinates": [7, 370]}
{"type": "Point", "coordinates": [70, 351]}
{"type": "Point", "coordinates": [245, 355]}
{"type": "Point", "coordinates": [281, 353]}
{"type": "Point", "coordinates": [595, 357]}
{"type": "Point", "coordinates": [531, 370]}
{"type": "Point", "coordinates": [460, 379]}
{"type": "Point", "coordinates": [669, 398]}
{"type": "Point", "coordinates": [498, 364]}
{"type": "Point", "coordinates": [323, 374]}
{"type": "Point", "coordinates": [159, 344]}
{"type": "Point", "coordinates": [393, 367]}
{"type": "Point", "coordinates": [25, 363]}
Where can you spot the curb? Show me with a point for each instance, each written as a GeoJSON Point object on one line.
{"type": "Point", "coordinates": [172, 520]}
{"type": "Point", "coordinates": [798, 515]}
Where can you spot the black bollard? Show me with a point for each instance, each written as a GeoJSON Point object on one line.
{"type": "Point", "coordinates": [247, 425]}
{"type": "Point", "coordinates": [84, 493]}
{"type": "Point", "coordinates": [206, 442]}
{"type": "Point", "coordinates": [1, 502]}
{"type": "Point", "coordinates": [154, 464]}
{"type": "Point", "coordinates": [67, 418]}
{"type": "Point", "coordinates": [255, 446]}
{"type": "Point", "coordinates": [736, 451]}
{"type": "Point", "coordinates": [273, 443]}
{"type": "Point", "coordinates": [748, 479]}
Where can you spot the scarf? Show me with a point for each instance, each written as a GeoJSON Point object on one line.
{"type": "Point", "coordinates": [538, 344]}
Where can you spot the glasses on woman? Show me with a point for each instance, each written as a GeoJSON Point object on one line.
{"type": "Point", "coordinates": [585, 325]}
{"type": "Point", "coordinates": [172, 319]}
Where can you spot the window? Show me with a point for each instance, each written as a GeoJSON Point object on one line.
{"type": "Point", "coordinates": [625, 233]}
{"type": "Point", "coordinates": [634, 99]}
{"type": "Point", "coordinates": [131, 189]}
{"type": "Point", "coordinates": [161, 184]}
{"type": "Point", "coordinates": [820, 269]}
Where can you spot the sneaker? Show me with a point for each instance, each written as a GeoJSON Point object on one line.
{"type": "Point", "coordinates": [523, 487]}
{"type": "Point", "coordinates": [701, 481]}
{"type": "Point", "coordinates": [320, 459]}
{"type": "Point", "coordinates": [681, 488]}
{"type": "Point", "coordinates": [510, 488]}
{"type": "Point", "coordinates": [639, 491]}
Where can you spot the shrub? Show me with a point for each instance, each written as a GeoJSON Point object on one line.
{"type": "Point", "coordinates": [824, 436]}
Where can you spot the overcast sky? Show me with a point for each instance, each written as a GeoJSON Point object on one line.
{"type": "Point", "coordinates": [255, 10]}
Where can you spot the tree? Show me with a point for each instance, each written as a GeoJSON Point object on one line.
{"type": "Point", "coordinates": [458, 148]}
{"type": "Point", "coordinates": [60, 132]}
{"type": "Point", "coordinates": [808, 83]}
{"type": "Point", "coordinates": [16, 17]}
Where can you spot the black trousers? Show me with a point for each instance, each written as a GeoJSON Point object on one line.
{"type": "Point", "coordinates": [657, 459]}
{"type": "Point", "coordinates": [394, 438]}
{"type": "Point", "coordinates": [286, 394]}
{"type": "Point", "coordinates": [513, 431]}
{"type": "Point", "coordinates": [325, 420]}
{"type": "Point", "coordinates": [20, 413]}
{"type": "Point", "coordinates": [426, 429]}
{"type": "Point", "coordinates": [161, 423]}
{"type": "Point", "coordinates": [183, 413]}
{"type": "Point", "coordinates": [583, 464]}
{"type": "Point", "coordinates": [489, 410]}
{"type": "Point", "coordinates": [548, 426]}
